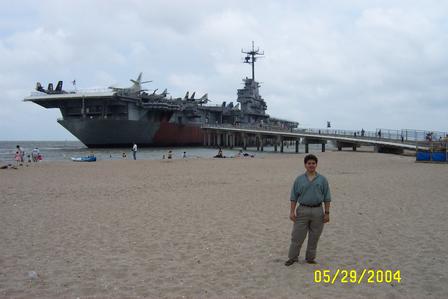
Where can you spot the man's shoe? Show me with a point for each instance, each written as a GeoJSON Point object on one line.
{"type": "Point", "coordinates": [290, 262]}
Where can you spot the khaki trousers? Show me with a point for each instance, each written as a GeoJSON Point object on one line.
{"type": "Point", "coordinates": [308, 220]}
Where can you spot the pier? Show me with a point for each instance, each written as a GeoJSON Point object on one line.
{"type": "Point", "coordinates": [383, 140]}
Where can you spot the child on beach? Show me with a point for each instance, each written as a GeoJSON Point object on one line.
{"type": "Point", "coordinates": [21, 153]}
{"type": "Point", "coordinates": [242, 155]}
{"type": "Point", "coordinates": [35, 154]}
{"type": "Point", "coordinates": [18, 157]}
{"type": "Point", "coordinates": [219, 155]}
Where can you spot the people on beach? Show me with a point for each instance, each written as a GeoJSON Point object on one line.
{"type": "Point", "coordinates": [18, 158]}
{"type": "Point", "coordinates": [184, 155]}
{"type": "Point", "coordinates": [169, 155]}
{"type": "Point", "coordinates": [134, 151]}
{"type": "Point", "coordinates": [242, 155]}
{"type": "Point", "coordinates": [35, 154]}
{"type": "Point", "coordinates": [21, 153]}
{"type": "Point", "coordinates": [123, 155]}
{"type": "Point", "coordinates": [309, 190]}
{"type": "Point", "coordinates": [7, 166]}
{"type": "Point", "coordinates": [219, 154]}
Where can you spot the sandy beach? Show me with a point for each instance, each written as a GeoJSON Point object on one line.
{"type": "Point", "coordinates": [218, 228]}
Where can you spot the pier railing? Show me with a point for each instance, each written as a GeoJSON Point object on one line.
{"type": "Point", "coordinates": [406, 137]}
{"type": "Point", "coordinates": [403, 135]}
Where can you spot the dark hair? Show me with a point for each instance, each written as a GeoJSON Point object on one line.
{"type": "Point", "coordinates": [310, 157]}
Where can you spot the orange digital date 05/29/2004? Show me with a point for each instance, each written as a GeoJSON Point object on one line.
{"type": "Point", "coordinates": [357, 276]}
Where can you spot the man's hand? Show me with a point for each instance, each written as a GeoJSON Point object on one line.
{"type": "Point", "coordinates": [326, 218]}
{"type": "Point", "coordinates": [292, 216]}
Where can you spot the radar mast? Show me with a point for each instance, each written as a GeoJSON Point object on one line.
{"type": "Point", "coordinates": [251, 57]}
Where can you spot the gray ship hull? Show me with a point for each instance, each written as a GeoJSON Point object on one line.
{"type": "Point", "coordinates": [123, 133]}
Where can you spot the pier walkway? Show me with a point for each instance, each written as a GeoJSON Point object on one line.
{"type": "Point", "coordinates": [383, 140]}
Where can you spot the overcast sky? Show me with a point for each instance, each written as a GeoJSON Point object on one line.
{"type": "Point", "coordinates": [359, 64]}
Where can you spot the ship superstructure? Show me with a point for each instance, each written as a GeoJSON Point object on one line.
{"type": "Point", "coordinates": [119, 117]}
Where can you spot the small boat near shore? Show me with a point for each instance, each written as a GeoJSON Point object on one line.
{"type": "Point", "coordinates": [84, 159]}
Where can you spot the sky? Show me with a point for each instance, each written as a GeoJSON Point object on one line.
{"type": "Point", "coordinates": [358, 64]}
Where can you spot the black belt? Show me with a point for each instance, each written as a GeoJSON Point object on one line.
{"type": "Point", "coordinates": [310, 206]}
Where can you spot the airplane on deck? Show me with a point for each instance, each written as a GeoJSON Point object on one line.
{"type": "Point", "coordinates": [154, 96]}
{"type": "Point", "coordinates": [135, 88]}
{"type": "Point", "coordinates": [202, 100]}
{"type": "Point", "coordinates": [50, 90]}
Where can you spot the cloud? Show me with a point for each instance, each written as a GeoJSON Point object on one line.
{"type": "Point", "coordinates": [355, 63]}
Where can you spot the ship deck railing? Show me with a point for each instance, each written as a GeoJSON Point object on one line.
{"type": "Point", "coordinates": [73, 92]}
{"type": "Point", "coordinates": [259, 127]}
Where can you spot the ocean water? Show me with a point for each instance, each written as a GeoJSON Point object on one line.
{"type": "Point", "coordinates": [64, 150]}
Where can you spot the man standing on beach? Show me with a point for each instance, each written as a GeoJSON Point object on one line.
{"type": "Point", "coordinates": [310, 190]}
{"type": "Point", "coordinates": [134, 151]}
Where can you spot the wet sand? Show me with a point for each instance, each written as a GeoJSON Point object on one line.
{"type": "Point", "coordinates": [215, 228]}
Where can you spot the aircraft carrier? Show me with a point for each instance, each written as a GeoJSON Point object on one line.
{"type": "Point", "coordinates": [119, 117]}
